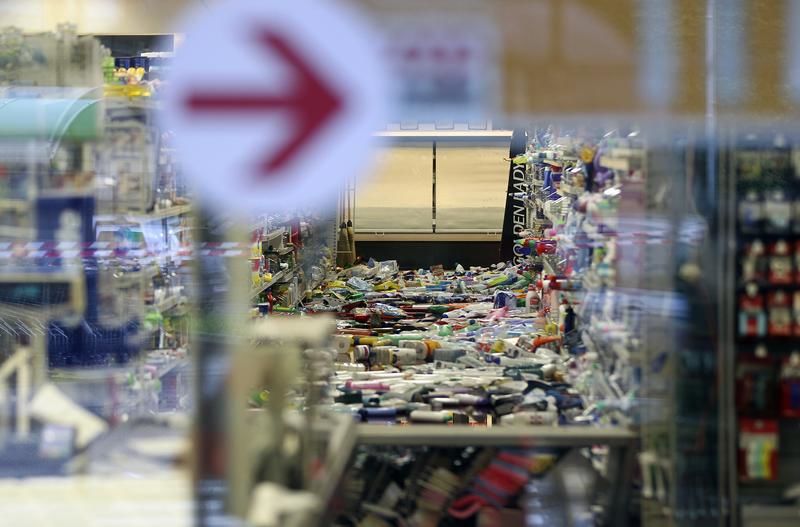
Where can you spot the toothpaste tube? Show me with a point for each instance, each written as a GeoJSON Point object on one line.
{"type": "Point", "coordinates": [378, 413]}
{"type": "Point", "coordinates": [350, 367]}
{"type": "Point", "coordinates": [423, 416]}
{"type": "Point", "coordinates": [471, 400]}
{"type": "Point", "coordinates": [367, 385]}
{"type": "Point", "coordinates": [548, 417]}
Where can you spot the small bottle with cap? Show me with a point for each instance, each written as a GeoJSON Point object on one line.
{"type": "Point", "coordinates": [531, 300]}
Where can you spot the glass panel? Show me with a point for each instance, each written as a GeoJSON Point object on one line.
{"type": "Point", "coordinates": [650, 318]}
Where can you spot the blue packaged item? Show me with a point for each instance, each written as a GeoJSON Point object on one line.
{"type": "Point", "coordinates": [547, 185]}
{"type": "Point", "coordinates": [377, 413]}
{"type": "Point", "coordinates": [390, 311]}
{"type": "Point", "coordinates": [140, 62]}
{"type": "Point", "coordinates": [751, 212]}
{"type": "Point", "coordinates": [505, 299]}
{"type": "Point", "coordinates": [359, 284]}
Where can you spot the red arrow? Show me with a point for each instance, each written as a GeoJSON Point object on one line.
{"type": "Point", "coordinates": [309, 101]}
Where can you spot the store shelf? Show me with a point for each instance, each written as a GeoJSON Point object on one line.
{"type": "Point", "coordinates": [555, 219]}
{"type": "Point", "coordinates": [284, 251]}
{"type": "Point", "coordinates": [767, 236]}
{"type": "Point", "coordinates": [569, 190]}
{"type": "Point", "coordinates": [342, 442]}
{"type": "Point", "coordinates": [442, 134]}
{"type": "Point", "coordinates": [17, 232]}
{"type": "Point", "coordinates": [276, 278]}
{"type": "Point", "coordinates": [463, 435]}
{"type": "Point", "coordinates": [159, 214]}
{"type": "Point", "coordinates": [589, 228]}
{"type": "Point", "coordinates": [770, 340]}
{"type": "Point", "coordinates": [168, 303]}
{"type": "Point", "coordinates": [770, 515]}
{"type": "Point", "coordinates": [626, 152]}
{"type": "Point", "coordinates": [552, 265]}
{"type": "Point", "coordinates": [115, 372]}
{"type": "Point", "coordinates": [771, 287]}
{"type": "Point", "coordinates": [445, 236]}
{"type": "Point", "coordinates": [169, 366]}
{"type": "Point", "coordinates": [170, 212]}
{"type": "Point", "coordinates": [596, 231]}
{"type": "Point", "coordinates": [129, 279]}
{"type": "Point", "coordinates": [18, 205]}
{"type": "Point", "coordinates": [271, 235]}
{"type": "Point", "coordinates": [314, 285]}
{"type": "Point", "coordinates": [60, 193]}
{"type": "Point", "coordinates": [615, 163]}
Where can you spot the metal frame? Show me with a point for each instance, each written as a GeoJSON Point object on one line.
{"type": "Point", "coordinates": [621, 442]}
{"type": "Point", "coordinates": [519, 436]}
{"type": "Point", "coordinates": [727, 329]}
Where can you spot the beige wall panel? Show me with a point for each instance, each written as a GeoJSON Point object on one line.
{"type": "Point", "coordinates": [470, 186]}
{"type": "Point", "coordinates": [397, 194]}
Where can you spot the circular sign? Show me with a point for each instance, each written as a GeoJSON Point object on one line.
{"type": "Point", "coordinates": [273, 105]}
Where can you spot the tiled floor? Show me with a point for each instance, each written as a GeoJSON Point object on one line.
{"type": "Point", "coordinates": [93, 501]}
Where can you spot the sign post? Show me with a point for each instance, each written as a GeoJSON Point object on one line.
{"type": "Point", "coordinates": [273, 106]}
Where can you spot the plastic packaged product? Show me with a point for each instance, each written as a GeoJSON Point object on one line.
{"type": "Point", "coordinates": [359, 284]}
{"type": "Point", "coordinates": [505, 299]}
{"type": "Point", "coordinates": [405, 336]}
{"type": "Point", "coordinates": [421, 348]}
{"type": "Point", "coordinates": [777, 211]}
{"type": "Point", "coordinates": [378, 413]}
{"type": "Point", "coordinates": [547, 417]}
{"type": "Point", "coordinates": [790, 386]}
{"type": "Point", "coordinates": [448, 355]}
{"type": "Point", "coordinates": [751, 212]}
{"type": "Point", "coordinates": [387, 268]}
{"type": "Point", "coordinates": [350, 367]}
{"type": "Point", "coordinates": [403, 356]}
{"type": "Point", "coordinates": [441, 402]}
{"type": "Point", "coordinates": [758, 449]}
{"type": "Point", "coordinates": [367, 385]}
{"type": "Point", "coordinates": [386, 286]}
{"type": "Point", "coordinates": [532, 300]}
{"type": "Point", "coordinates": [361, 352]}
{"type": "Point", "coordinates": [422, 416]}
{"type": "Point", "coordinates": [381, 354]}
{"type": "Point", "coordinates": [470, 399]}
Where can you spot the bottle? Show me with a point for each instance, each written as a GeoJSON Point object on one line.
{"type": "Point", "coordinates": [562, 312]}
{"type": "Point", "coordinates": [108, 69]}
{"type": "Point", "coordinates": [777, 211]}
{"type": "Point", "coordinates": [751, 212]}
{"type": "Point", "coordinates": [569, 320]}
{"type": "Point", "coordinates": [531, 300]}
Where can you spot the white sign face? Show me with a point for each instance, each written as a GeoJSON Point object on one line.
{"type": "Point", "coordinates": [443, 68]}
{"type": "Point", "coordinates": [273, 104]}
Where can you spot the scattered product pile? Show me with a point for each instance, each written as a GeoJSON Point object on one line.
{"type": "Point", "coordinates": [473, 346]}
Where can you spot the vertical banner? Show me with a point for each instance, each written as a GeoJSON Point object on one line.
{"type": "Point", "coordinates": [514, 217]}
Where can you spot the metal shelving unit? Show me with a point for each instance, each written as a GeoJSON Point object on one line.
{"type": "Point", "coordinates": [516, 436]}
{"type": "Point", "coordinates": [755, 160]}
{"type": "Point", "coordinates": [276, 278]}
